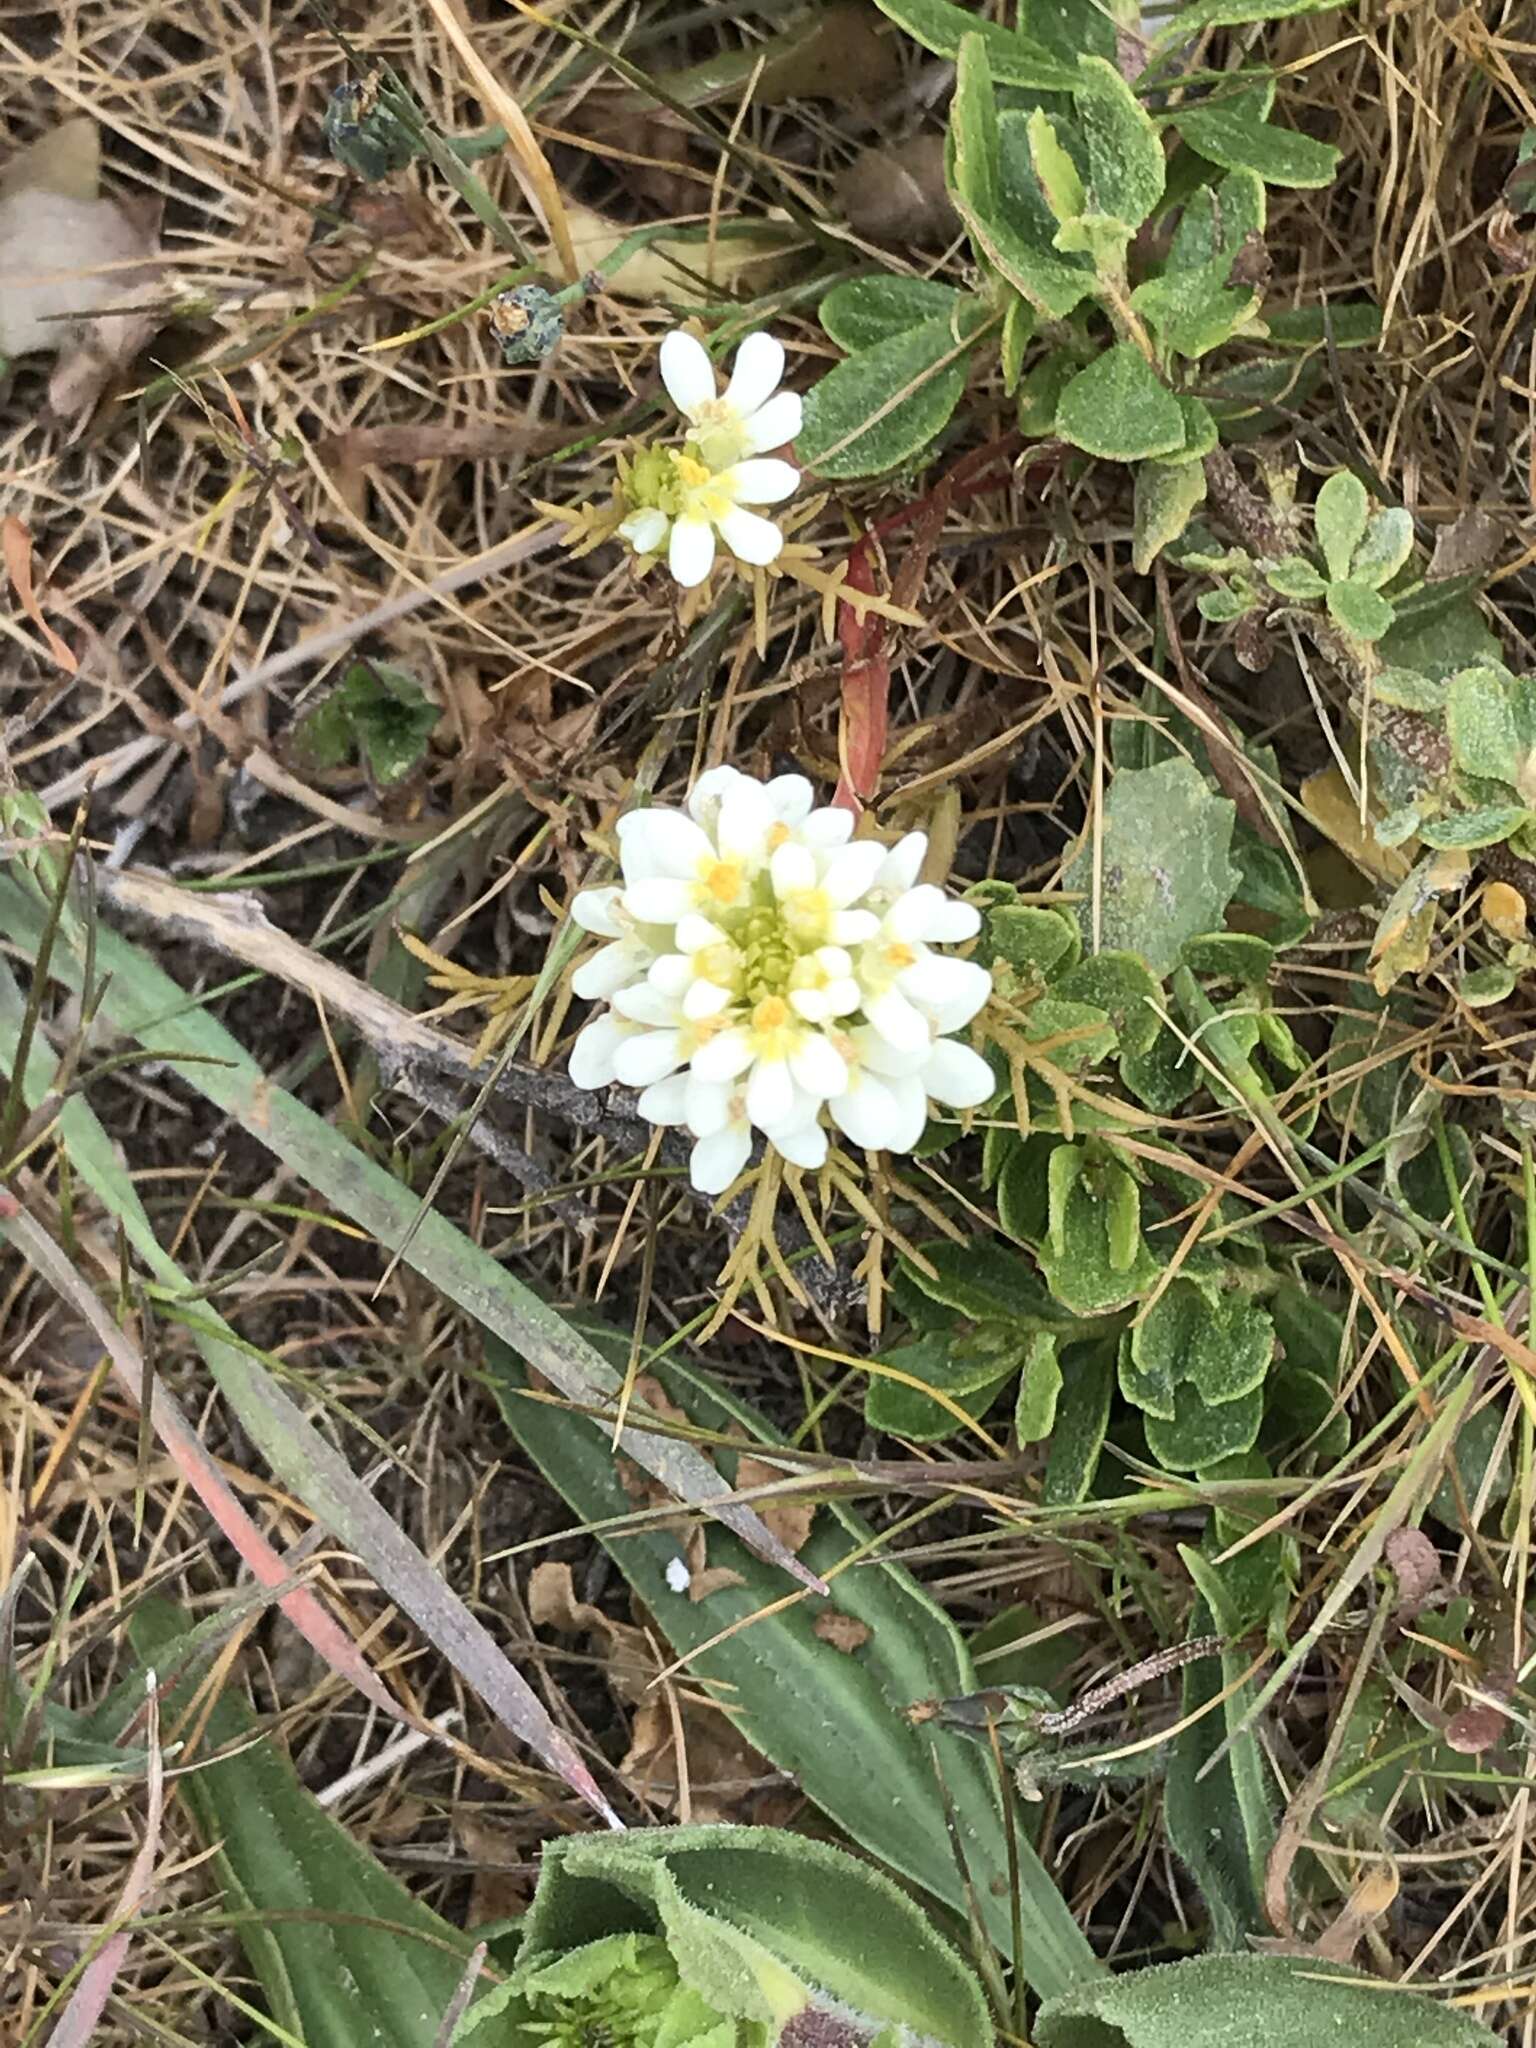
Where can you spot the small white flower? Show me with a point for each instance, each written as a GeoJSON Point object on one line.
{"type": "Point", "coordinates": [750, 417]}
{"type": "Point", "coordinates": [765, 973]}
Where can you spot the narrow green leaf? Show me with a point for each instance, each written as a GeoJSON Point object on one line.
{"type": "Point", "coordinates": [1020, 237]}
{"type": "Point", "coordinates": [970, 1381]}
{"type": "Point", "coordinates": [1015, 59]}
{"type": "Point", "coordinates": [1340, 516]}
{"type": "Point", "coordinates": [1054, 168]}
{"type": "Point", "coordinates": [812, 1708]}
{"type": "Point", "coordinates": [1040, 1383]}
{"type": "Point", "coordinates": [1490, 826]}
{"type": "Point", "coordinates": [867, 310]}
{"type": "Point", "coordinates": [347, 1958]}
{"type": "Point", "coordinates": [973, 130]}
{"type": "Point", "coordinates": [1119, 409]}
{"type": "Point", "coordinates": [884, 406]}
{"type": "Point", "coordinates": [1018, 331]}
{"type": "Point", "coordinates": [1082, 1421]}
{"type": "Point", "coordinates": [1197, 15]}
{"type": "Point", "coordinates": [1202, 1813]}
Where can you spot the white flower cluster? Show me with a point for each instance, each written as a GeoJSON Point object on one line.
{"type": "Point", "coordinates": [683, 497]}
{"type": "Point", "coordinates": [761, 967]}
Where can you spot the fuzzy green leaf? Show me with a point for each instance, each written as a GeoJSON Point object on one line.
{"type": "Point", "coordinates": [1082, 1419]}
{"type": "Point", "coordinates": [1386, 547]}
{"type": "Point", "coordinates": [1040, 392]}
{"type": "Point", "coordinates": [1035, 942]}
{"type": "Point", "coordinates": [1296, 578]}
{"type": "Point", "coordinates": [1166, 497]}
{"type": "Point", "coordinates": [1200, 1433]}
{"type": "Point", "coordinates": [1359, 610]}
{"type": "Point", "coordinates": [1340, 516]}
{"type": "Point", "coordinates": [1230, 956]}
{"type": "Point", "coordinates": [1034, 1411]}
{"type": "Point", "coordinates": [884, 406]}
{"type": "Point", "coordinates": [1167, 875]}
{"type": "Point", "coordinates": [1055, 169]}
{"type": "Point", "coordinates": [1486, 985]}
{"type": "Point", "coordinates": [1227, 2001]}
{"type": "Point", "coordinates": [1020, 237]}
{"type": "Point", "coordinates": [1118, 408]}
{"type": "Point", "coordinates": [1489, 826]}
{"type": "Point", "coordinates": [1018, 332]}
{"type": "Point", "coordinates": [868, 310]}
{"type": "Point", "coordinates": [1408, 690]}
{"type": "Point", "coordinates": [973, 131]}
{"type": "Point", "coordinates": [1480, 723]}
{"type": "Point", "coordinates": [1231, 130]}
{"type": "Point", "coordinates": [970, 1381]}
{"type": "Point", "coordinates": [1014, 59]}
{"type": "Point", "coordinates": [1123, 987]}
{"type": "Point", "coordinates": [1126, 168]}
{"type": "Point", "coordinates": [1094, 1258]}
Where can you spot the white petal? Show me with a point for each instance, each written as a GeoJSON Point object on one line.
{"type": "Point", "coordinates": [716, 1160]}
{"type": "Point", "coordinates": [591, 1062]}
{"type": "Point", "coordinates": [593, 910]}
{"type": "Point", "coordinates": [867, 1113]}
{"type": "Point", "coordinates": [661, 842]}
{"type": "Point", "coordinates": [853, 927]}
{"type": "Point", "coordinates": [791, 797]}
{"type": "Point", "coordinates": [647, 1057]}
{"type": "Point", "coordinates": [851, 870]}
{"type": "Point", "coordinates": [926, 913]}
{"type": "Point", "coordinates": [694, 933]}
{"type": "Point", "coordinates": [813, 1004]}
{"type": "Point", "coordinates": [691, 551]}
{"type": "Point", "coordinates": [957, 1076]}
{"type": "Point", "coordinates": [802, 1145]}
{"type": "Point", "coordinates": [755, 374]}
{"type": "Point", "coordinates": [911, 1113]}
{"type": "Point", "coordinates": [749, 537]}
{"type": "Point", "coordinates": [826, 828]}
{"type": "Point", "coordinates": [903, 864]}
{"type": "Point", "coordinates": [687, 372]}
{"type": "Point", "coordinates": [608, 970]}
{"type": "Point", "coordinates": [773, 425]}
{"type": "Point", "coordinates": [672, 974]}
{"type": "Point", "coordinates": [843, 997]}
{"type": "Point", "coordinates": [770, 1093]}
{"type": "Point", "coordinates": [882, 1058]}
{"type": "Point", "coordinates": [659, 901]}
{"type": "Point", "coordinates": [897, 1022]}
{"type": "Point", "coordinates": [709, 1106]}
{"type": "Point", "coordinates": [818, 1067]}
{"type": "Point", "coordinates": [704, 999]}
{"type": "Point", "coordinates": [792, 868]}
{"type": "Point", "coordinates": [764, 480]}
{"type": "Point", "coordinates": [950, 991]}
{"type": "Point", "coordinates": [705, 795]}
{"type": "Point", "coordinates": [645, 530]}
{"type": "Point", "coordinates": [726, 1055]}
{"type": "Point", "coordinates": [664, 1101]}
{"type": "Point", "coordinates": [746, 818]}
{"type": "Point", "coordinates": [643, 1004]}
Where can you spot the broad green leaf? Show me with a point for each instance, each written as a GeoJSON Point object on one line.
{"type": "Point", "coordinates": [1486, 985]}
{"type": "Point", "coordinates": [376, 710]}
{"type": "Point", "coordinates": [1216, 222]}
{"type": "Point", "coordinates": [1490, 826]}
{"type": "Point", "coordinates": [1069, 29]}
{"type": "Point", "coordinates": [1147, 1374]}
{"type": "Point", "coordinates": [1082, 1419]}
{"type": "Point", "coordinates": [1094, 1258]}
{"type": "Point", "coordinates": [346, 1957]}
{"type": "Point", "coordinates": [973, 131]}
{"type": "Point", "coordinates": [1234, 1342]}
{"type": "Point", "coordinates": [1347, 323]}
{"type": "Point", "coordinates": [1386, 547]}
{"type": "Point", "coordinates": [1055, 169]}
{"type": "Point", "coordinates": [1361, 611]}
{"type": "Point", "coordinates": [1195, 305]}
{"type": "Point", "coordinates": [807, 1705]}
{"type": "Point", "coordinates": [1201, 1434]}
{"type": "Point", "coordinates": [1200, 431]}
{"type": "Point", "coordinates": [1480, 723]}
{"type": "Point", "coordinates": [1122, 986]}
{"type": "Point", "coordinates": [1162, 1077]}
{"type": "Point", "coordinates": [984, 1281]}
{"type": "Point", "coordinates": [1241, 2001]}
{"type": "Point", "coordinates": [1118, 408]}
{"type": "Point", "coordinates": [935, 1360]}
{"type": "Point", "coordinates": [1436, 633]}
{"type": "Point", "coordinates": [867, 310]}
{"type": "Point", "coordinates": [1166, 873]}
{"type": "Point", "coordinates": [1230, 956]}
{"type": "Point", "coordinates": [1072, 1036]}
{"type": "Point", "coordinates": [1023, 1204]}
{"type": "Point", "coordinates": [1295, 577]}
{"type": "Point", "coordinates": [1270, 886]}
{"type": "Point", "coordinates": [1020, 238]}
{"type": "Point", "coordinates": [1166, 497]}
{"type": "Point", "coordinates": [1035, 942]}
{"type": "Point", "coordinates": [1231, 130]}
{"type": "Point", "coordinates": [1014, 59]}
{"type": "Point", "coordinates": [1040, 1382]}
{"type": "Point", "coordinates": [884, 406]}
{"type": "Point", "coordinates": [1340, 516]}
{"type": "Point", "coordinates": [1222, 607]}
{"type": "Point", "coordinates": [1126, 168]}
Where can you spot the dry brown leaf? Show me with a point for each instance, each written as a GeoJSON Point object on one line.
{"type": "Point", "coordinates": [16, 543]}
{"type": "Point", "coordinates": [898, 193]}
{"type": "Point", "coordinates": [75, 269]}
{"type": "Point", "coordinates": [844, 1632]}
{"type": "Point", "coordinates": [790, 1520]}
{"type": "Point", "coordinates": [666, 270]}
{"type": "Point", "coordinates": [1415, 1564]}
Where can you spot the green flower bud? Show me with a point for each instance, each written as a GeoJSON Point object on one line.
{"type": "Point", "coordinates": [363, 135]}
{"type": "Point", "coordinates": [528, 322]}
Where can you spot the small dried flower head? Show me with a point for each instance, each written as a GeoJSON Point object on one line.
{"type": "Point", "coordinates": [762, 973]}
{"type": "Point", "coordinates": [527, 322]}
{"type": "Point", "coordinates": [362, 134]}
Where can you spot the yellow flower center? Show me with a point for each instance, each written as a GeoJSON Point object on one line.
{"type": "Point", "coordinates": [775, 1029]}
{"type": "Point", "coordinates": [722, 880]}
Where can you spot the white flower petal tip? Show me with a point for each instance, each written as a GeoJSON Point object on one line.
{"type": "Point", "coordinates": [765, 974]}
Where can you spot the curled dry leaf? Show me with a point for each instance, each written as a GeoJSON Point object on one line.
{"type": "Point", "coordinates": [77, 271]}
{"type": "Point", "coordinates": [1480, 1724]}
{"type": "Point", "coordinates": [898, 193]}
{"type": "Point", "coordinates": [790, 1520]}
{"type": "Point", "coordinates": [1415, 1564]}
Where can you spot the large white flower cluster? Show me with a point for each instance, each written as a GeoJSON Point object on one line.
{"type": "Point", "coordinates": [763, 968]}
{"type": "Point", "coordinates": [682, 498]}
